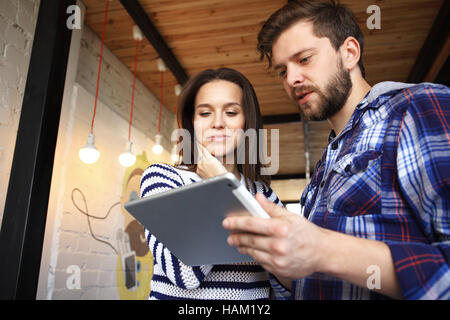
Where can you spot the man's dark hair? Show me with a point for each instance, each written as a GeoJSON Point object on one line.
{"type": "Point", "coordinates": [330, 19]}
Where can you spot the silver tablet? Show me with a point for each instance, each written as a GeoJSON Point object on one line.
{"type": "Point", "coordinates": [188, 220]}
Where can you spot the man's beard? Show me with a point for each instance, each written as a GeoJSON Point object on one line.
{"type": "Point", "coordinates": [331, 100]}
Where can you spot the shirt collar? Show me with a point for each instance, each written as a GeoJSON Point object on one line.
{"type": "Point", "coordinates": [359, 110]}
{"type": "Point", "coordinates": [370, 101]}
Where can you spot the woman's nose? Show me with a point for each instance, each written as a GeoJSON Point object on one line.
{"type": "Point", "coordinates": [218, 122]}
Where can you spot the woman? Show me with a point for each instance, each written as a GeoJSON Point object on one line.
{"type": "Point", "coordinates": [215, 107]}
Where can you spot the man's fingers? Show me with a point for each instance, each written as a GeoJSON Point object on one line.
{"type": "Point", "coordinates": [249, 224]}
{"type": "Point", "coordinates": [255, 242]}
{"type": "Point", "coordinates": [262, 257]}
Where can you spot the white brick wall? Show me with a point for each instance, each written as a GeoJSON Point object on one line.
{"type": "Point", "coordinates": [68, 241]}
{"type": "Point", "coordinates": [17, 23]}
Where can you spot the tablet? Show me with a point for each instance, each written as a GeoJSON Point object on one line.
{"type": "Point", "coordinates": [188, 220]}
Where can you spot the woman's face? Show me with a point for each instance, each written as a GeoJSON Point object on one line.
{"type": "Point", "coordinates": [218, 116]}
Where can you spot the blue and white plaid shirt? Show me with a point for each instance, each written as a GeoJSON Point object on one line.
{"type": "Point", "coordinates": [386, 177]}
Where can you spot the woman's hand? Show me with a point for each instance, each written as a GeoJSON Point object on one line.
{"type": "Point", "coordinates": [208, 166]}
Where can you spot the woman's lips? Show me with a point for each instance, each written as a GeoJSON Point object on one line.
{"type": "Point", "coordinates": [218, 138]}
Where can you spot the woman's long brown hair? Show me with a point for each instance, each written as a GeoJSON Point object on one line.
{"type": "Point", "coordinates": [250, 106]}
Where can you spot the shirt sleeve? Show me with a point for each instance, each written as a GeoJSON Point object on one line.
{"type": "Point", "coordinates": [156, 179]}
{"type": "Point", "coordinates": [279, 291]}
{"type": "Point", "coordinates": [423, 166]}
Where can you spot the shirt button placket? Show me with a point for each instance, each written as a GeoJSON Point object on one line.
{"type": "Point", "coordinates": [334, 145]}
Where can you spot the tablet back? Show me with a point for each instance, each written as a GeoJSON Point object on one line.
{"type": "Point", "coordinates": [188, 220]}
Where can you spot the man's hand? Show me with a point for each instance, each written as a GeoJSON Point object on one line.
{"type": "Point", "coordinates": [291, 247]}
{"type": "Point", "coordinates": [287, 245]}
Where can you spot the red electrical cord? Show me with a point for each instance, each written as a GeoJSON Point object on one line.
{"type": "Point", "coordinates": [100, 64]}
{"type": "Point", "coordinates": [134, 85]}
{"type": "Point", "coordinates": [161, 100]}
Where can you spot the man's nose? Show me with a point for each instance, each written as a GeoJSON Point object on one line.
{"type": "Point", "coordinates": [294, 77]}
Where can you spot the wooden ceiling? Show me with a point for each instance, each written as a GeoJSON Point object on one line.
{"type": "Point", "coordinates": [206, 34]}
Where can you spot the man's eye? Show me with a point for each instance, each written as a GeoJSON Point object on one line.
{"type": "Point", "coordinates": [305, 60]}
{"type": "Point", "coordinates": [282, 73]}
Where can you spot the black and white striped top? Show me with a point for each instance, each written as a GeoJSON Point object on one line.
{"type": "Point", "coordinates": [174, 280]}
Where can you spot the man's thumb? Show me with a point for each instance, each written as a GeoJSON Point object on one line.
{"type": "Point", "coordinates": [271, 208]}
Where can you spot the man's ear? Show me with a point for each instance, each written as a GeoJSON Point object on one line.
{"type": "Point", "coordinates": [350, 53]}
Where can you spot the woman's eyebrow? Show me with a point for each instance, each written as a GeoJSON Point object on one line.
{"type": "Point", "coordinates": [202, 105]}
{"type": "Point", "coordinates": [207, 105]}
{"type": "Point", "coordinates": [228, 104]}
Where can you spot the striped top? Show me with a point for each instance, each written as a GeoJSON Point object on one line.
{"type": "Point", "coordinates": [172, 279]}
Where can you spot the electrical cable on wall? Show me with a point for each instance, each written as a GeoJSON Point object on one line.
{"type": "Point", "coordinates": [157, 148]}
{"type": "Point", "coordinates": [85, 212]}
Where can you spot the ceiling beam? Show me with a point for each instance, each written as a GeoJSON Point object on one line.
{"type": "Point", "coordinates": [288, 176]}
{"type": "Point", "coordinates": [140, 17]}
{"type": "Point", "coordinates": [433, 44]}
{"type": "Point", "coordinates": [443, 76]}
{"type": "Point", "coordinates": [437, 66]}
{"type": "Point", "coordinates": [281, 118]}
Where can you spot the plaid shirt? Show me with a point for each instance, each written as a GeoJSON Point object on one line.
{"type": "Point", "coordinates": [386, 177]}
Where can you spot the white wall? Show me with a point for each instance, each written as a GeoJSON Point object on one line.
{"type": "Point", "coordinates": [68, 242]}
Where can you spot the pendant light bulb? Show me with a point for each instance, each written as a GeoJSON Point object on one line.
{"type": "Point", "coordinates": [177, 89]}
{"type": "Point", "coordinates": [161, 65]}
{"type": "Point", "coordinates": [127, 159]}
{"type": "Point", "coordinates": [89, 153]}
{"type": "Point", "coordinates": [157, 148]}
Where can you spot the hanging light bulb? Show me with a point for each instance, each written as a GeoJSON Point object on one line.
{"type": "Point", "coordinates": [161, 65]}
{"type": "Point", "coordinates": [177, 89]}
{"type": "Point", "coordinates": [89, 153]}
{"type": "Point", "coordinates": [157, 148]}
{"type": "Point", "coordinates": [127, 159]}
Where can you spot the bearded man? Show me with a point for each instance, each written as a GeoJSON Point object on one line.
{"type": "Point", "coordinates": [375, 221]}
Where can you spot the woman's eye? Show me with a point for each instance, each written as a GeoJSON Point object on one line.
{"type": "Point", "coordinates": [204, 114]}
{"type": "Point", "coordinates": [231, 113]}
